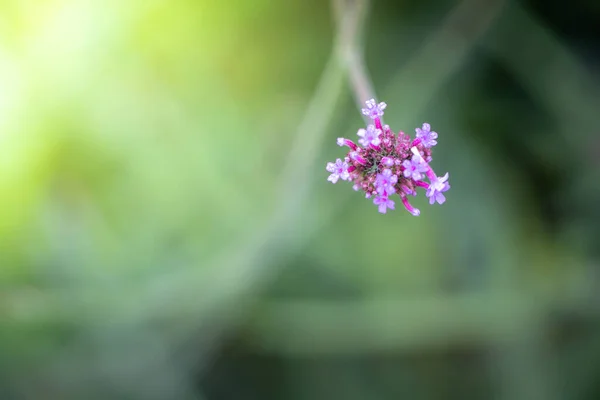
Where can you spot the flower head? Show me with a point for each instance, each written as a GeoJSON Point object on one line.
{"type": "Point", "coordinates": [436, 188]}
{"type": "Point", "coordinates": [383, 164]}
{"type": "Point", "coordinates": [369, 136]}
{"type": "Point", "coordinates": [338, 170]}
{"type": "Point", "coordinates": [426, 136]}
{"type": "Point", "coordinates": [374, 110]}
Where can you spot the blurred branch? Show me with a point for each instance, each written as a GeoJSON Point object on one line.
{"type": "Point", "coordinates": [443, 54]}
{"type": "Point", "coordinates": [562, 83]}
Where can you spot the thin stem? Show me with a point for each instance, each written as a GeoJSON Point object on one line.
{"type": "Point", "coordinates": [350, 16]}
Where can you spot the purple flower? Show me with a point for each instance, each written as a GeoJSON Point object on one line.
{"type": "Point", "coordinates": [385, 181]}
{"type": "Point", "coordinates": [415, 167]}
{"type": "Point", "coordinates": [426, 136]}
{"type": "Point", "coordinates": [387, 161]}
{"type": "Point", "coordinates": [436, 188]}
{"type": "Point", "coordinates": [373, 110]}
{"type": "Point", "coordinates": [338, 170]}
{"type": "Point", "coordinates": [384, 203]}
{"type": "Point", "coordinates": [369, 136]}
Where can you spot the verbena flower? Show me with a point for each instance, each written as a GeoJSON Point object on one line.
{"type": "Point", "coordinates": [369, 136]}
{"type": "Point", "coordinates": [338, 170]}
{"type": "Point", "coordinates": [384, 203]}
{"type": "Point", "coordinates": [436, 188]}
{"type": "Point", "coordinates": [389, 164]}
{"type": "Point", "coordinates": [415, 167]}
{"type": "Point", "coordinates": [385, 181]}
{"type": "Point", "coordinates": [426, 136]}
{"type": "Point", "coordinates": [374, 110]}
{"type": "Point", "coordinates": [387, 161]}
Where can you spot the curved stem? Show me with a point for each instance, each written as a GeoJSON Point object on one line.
{"type": "Point", "coordinates": [350, 16]}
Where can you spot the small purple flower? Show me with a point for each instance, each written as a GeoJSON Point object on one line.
{"type": "Point", "coordinates": [436, 188]}
{"type": "Point", "coordinates": [374, 110]}
{"type": "Point", "coordinates": [426, 136]}
{"type": "Point", "coordinates": [384, 203]}
{"type": "Point", "coordinates": [387, 161]}
{"type": "Point", "coordinates": [338, 170]}
{"type": "Point", "coordinates": [369, 136]}
{"type": "Point", "coordinates": [385, 181]}
{"type": "Point", "coordinates": [415, 167]}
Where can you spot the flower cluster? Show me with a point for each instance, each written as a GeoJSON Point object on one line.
{"type": "Point", "coordinates": [388, 164]}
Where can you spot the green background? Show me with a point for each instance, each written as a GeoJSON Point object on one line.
{"type": "Point", "coordinates": [167, 230]}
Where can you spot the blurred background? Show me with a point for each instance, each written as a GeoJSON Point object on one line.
{"type": "Point", "coordinates": [167, 230]}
